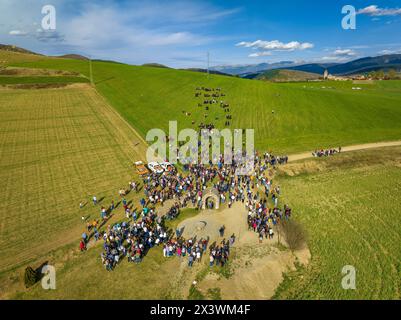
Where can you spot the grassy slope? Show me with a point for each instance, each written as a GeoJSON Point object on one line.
{"type": "Point", "coordinates": [350, 205]}
{"type": "Point", "coordinates": [287, 75]}
{"type": "Point", "coordinates": [82, 276]}
{"type": "Point", "coordinates": [58, 147]}
{"type": "Point", "coordinates": [307, 116]}
{"type": "Point", "coordinates": [342, 115]}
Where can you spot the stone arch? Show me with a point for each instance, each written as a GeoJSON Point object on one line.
{"type": "Point", "coordinates": [211, 193]}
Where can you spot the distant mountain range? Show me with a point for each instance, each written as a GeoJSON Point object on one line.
{"type": "Point", "coordinates": [243, 70]}
{"type": "Point", "coordinates": [363, 65]}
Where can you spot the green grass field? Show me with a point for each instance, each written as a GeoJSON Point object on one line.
{"type": "Point", "coordinates": [350, 206]}
{"type": "Point", "coordinates": [62, 146]}
{"type": "Point", "coordinates": [58, 147]}
{"type": "Point", "coordinates": [307, 116]}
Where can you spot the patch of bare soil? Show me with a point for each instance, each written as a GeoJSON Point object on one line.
{"type": "Point", "coordinates": [34, 86]}
{"type": "Point", "coordinates": [257, 272]}
{"type": "Point", "coordinates": [256, 268]}
{"type": "Point", "coordinates": [15, 71]}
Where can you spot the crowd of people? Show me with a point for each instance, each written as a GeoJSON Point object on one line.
{"type": "Point", "coordinates": [132, 239]}
{"type": "Point", "coordinates": [195, 250]}
{"type": "Point", "coordinates": [213, 96]}
{"type": "Point", "coordinates": [144, 229]}
{"type": "Point", "coordinates": [325, 153]}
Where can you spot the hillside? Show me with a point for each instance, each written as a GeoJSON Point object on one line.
{"type": "Point", "coordinates": [210, 71]}
{"type": "Point", "coordinates": [287, 76]}
{"type": "Point", "coordinates": [155, 65]}
{"type": "Point", "coordinates": [73, 56]}
{"type": "Point", "coordinates": [11, 48]}
{"type": "Point", "coordinates": [63, 146]}
{"type": "Point", "coordinates": [305, 117]}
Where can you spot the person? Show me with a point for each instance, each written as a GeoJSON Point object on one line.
{"type": "Point", "coordinates": [211, 264]}
{"type": "Point", "coordinates": [82, 245]}
{"type": "Point", "coordinates": [271, 233]}
{"type": "Point", "coordinates": [232, 240]}
{"type": "Point", "coordinates": [94, 200]}
{"type": "Point", "coordinates": [190, 261]}
{"type": "Point", "coordinates": [96, 234]}
{"type": "Point", "coordinates": [221, 231]}
{"type": "Point", "coordinates": [84, 237]}
{"type": "Point", "coordinates": [81, 205]}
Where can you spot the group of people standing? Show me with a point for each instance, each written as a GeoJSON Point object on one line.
{"type": "Point", "coordinates": [326, 153]}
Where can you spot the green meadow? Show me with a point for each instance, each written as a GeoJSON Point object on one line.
{"type": "Point", "coordinates": [61, 146]}
{"type": "Point", "coordinates": [306, 115]}
{"type": "Point", "coordinates": [350, 206]}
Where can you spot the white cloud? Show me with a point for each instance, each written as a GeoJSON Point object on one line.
{"type": "Point", "coordinates": [386, 51]}
{"type": "Point", "coordinates": [375, 11]}
{"type": "Point", "coordinates": [344, 53]}
{"type": "Point", "coordinates": [260, 54]}
{"type": "Point", "coordinates": [17, 33]}
{"type": "Point", "coordinates": [275, 45]}
{"type": "Point", "coordinates": [339, 55]}
{"type": "Point", "coordinates": [266, 48]}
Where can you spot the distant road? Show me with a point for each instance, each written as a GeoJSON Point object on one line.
{"type": "Point", "coordinates": [306, 155]}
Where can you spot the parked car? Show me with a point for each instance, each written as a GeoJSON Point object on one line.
{"type": "Point", "coordinates": [155, 167]}
{"type": "Point", "coordinates": [167, 167]}
{"type": "Point", "coordinates": [141, 168]}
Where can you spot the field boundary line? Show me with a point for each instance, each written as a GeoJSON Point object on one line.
{"type": "Point", "coordinates": [136, 133]}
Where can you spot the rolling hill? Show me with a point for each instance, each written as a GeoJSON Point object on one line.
{"type": "Point", "coordinates": [63, 146]}
{"type": "Point", "coordinates": [283, 75]}
{"type": "Point", "coordinates": [306, 117]}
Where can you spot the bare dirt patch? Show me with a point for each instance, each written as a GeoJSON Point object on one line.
{"type": "Point", "coordinates": [257, 269]}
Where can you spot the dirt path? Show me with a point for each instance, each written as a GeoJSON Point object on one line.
{"type": "Point", "coordinates": [306, 155]}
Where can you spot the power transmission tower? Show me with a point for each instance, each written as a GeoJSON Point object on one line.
{"type": "Point", "coordinates": [208, 65]}
{"type": "Point", "coordinates": [90, 70]}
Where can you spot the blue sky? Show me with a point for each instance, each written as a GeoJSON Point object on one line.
{"type": "Point", "coordinates": [179, 33]}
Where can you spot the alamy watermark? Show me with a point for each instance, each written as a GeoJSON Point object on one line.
{"type": "Point", "coordinates": [349, 20]}
{"type": "Point", "coordinates": [49, 277]}
{"type": "Point", "coordinates": [189, 146]}
{"type": "Point", "coordinates": [49, 20]}
{"type": "Point", "coordinates": [348, 282]}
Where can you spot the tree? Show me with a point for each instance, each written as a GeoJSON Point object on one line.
{"type": "Point", "coordinates": [31, 277]}
{"type": "Point", "coordinates": [380, 74]}
{"type": "Point", "coordinates": [294, 234]}
{"type": "Point", "coordinates": [392, 74]}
